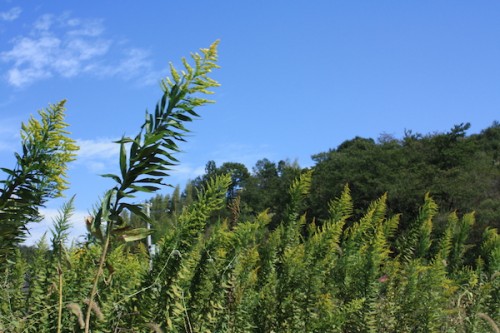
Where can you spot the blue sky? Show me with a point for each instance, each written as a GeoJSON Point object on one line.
{"type": "Point", "coordinates": [298, 77]}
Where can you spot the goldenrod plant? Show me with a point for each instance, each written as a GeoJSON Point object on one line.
{"type": "Point", "coordinates": [39, 174]}
{"type": "Point", "coordinates": [150, 155]}
{"type": "Point", "coordinates": [217, 269]}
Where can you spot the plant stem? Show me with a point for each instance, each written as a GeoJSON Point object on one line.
{"type": "Point", "coordinates": [60, 305]}
{"type": "Point", "coordinates": [97, 277]}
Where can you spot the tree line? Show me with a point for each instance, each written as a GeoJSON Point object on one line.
{"type": "Point", "coordinates": [460, 172]}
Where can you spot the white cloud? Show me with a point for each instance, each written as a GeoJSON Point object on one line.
{"type": "Point", "coordinates": [92, 28]}
{"type": "Point", "coordinates": [99, 148]}
{"type": "Point", "coordinates": [67, 47]}
{"type": "Point", "coordinates": [37, 230]}
{"type": "Point", "coordinates": [183, 172]}
{"type": "Point", "coordinates": [20, 78]}
{"type": "Point", "coordinates": [11, 14]}
{"type": "Point", "coordinates": [96, 166]}
{"type": "Point", "coordinates": [135, 61]}
{"type": "Point", "coordinates": [135, 64]}
{"type": "Point", "coordinates": [44, 22]}
{"type": "Point", "coordinates": [97, 155]}
{"type": "Point", "coordinates": [44, 54]}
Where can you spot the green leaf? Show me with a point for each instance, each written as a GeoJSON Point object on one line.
{"type": "Point", "coordinates": [150, 139]}
{"type": "Point", "coordinates": [149, 180]}
{"type": "Point", "coordinates": [135, 209]}
{"type": "Point", "coordinates": [124, 140]}
{"type": "Point", "coordinates": [135, 146]}
{"type": "Point", "coordinates": [114, 177]}
{"type": "Point", "coordinates": [147, 189]}
{"type": "Point", "coordinates": [182, 117]}
{"type": "Point", "coordinates": [147, 150]}
{"type": "Point", "coordinates": [8, 171]}
{"type": "Point", "coordinates": [134, 234]}
{"type": "Point", "coordinates": [123, 160]}
{"type": "Point", "coordinates": [162, 104]}
{"type": "Point", "coordinates": [156, 173]}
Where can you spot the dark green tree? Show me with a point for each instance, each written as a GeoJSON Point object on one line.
{"type": "Point", "coordinates": [461, 172]}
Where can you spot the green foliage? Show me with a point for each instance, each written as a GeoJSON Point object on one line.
{"type": "Point", "coordinates": [338, 276]}
{"type": "Point", "coordinates": [256, 191]}
{"type": "Point", "coordinates": [162, 300]}
{"type": "Point", "coordinates": [416, 241]}
{"type": "Point", "coordinates": [150, 154]}
{"type": "Point", "coordinates": [224, 266]}
{"type": "Point", "coordinates": [461, 172]}
{"type": "Point", "coordinates": [39, 174]}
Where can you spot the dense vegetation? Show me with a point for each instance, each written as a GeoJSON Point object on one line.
{"type": "Point", "coordinates": [278, 249]}
{"type": "Point", "coordinates": [461, 173]}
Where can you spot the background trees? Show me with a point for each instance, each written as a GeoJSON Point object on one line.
{"type": "Point", "coordinates": [343, 275]}
{"type": "Point", "coordinates": [461, 172]}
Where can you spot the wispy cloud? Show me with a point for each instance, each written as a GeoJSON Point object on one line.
{"type": "Point", "coordinates": [64, 46]}
{"type": "Point", "coordinates": [47, 51]}
{"type": "Point", "coordinates": [98, 155]}
{"type": "Point", "coordinates": [37, 230]}
{"type": "Point", "coordinates": [184, 172]}
{"type": "Point", "coordinates": [134, 63]}
{"type": "Point", "coordinates": [11, 14]}
{"type": "Point", "coordinates": [188, 170]}
{"type": "Point", "coordinates": [98, 148]}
